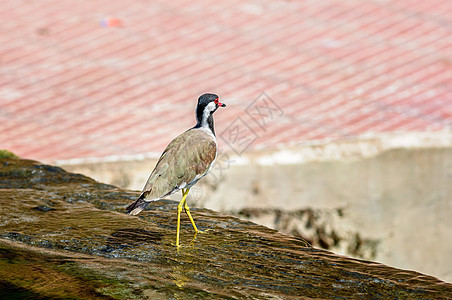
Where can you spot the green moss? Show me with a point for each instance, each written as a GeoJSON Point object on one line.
{"type": "Point", "coordinates": [7, 154]}
{"type": "Point", "coordinates": [44, 275]}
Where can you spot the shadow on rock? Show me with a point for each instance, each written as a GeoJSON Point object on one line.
{"type": "Point", "coordinates": [133, 237]}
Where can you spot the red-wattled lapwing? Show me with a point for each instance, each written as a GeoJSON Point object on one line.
{"type": "Point", "coordinates": [187, 159]}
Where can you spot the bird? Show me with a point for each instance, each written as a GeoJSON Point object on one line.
{"type": "Point", "coordinates": [187, 158]}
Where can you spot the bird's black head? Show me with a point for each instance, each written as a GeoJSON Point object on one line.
{"type": "Point", "coordinates": [205, 99]}
{"type": "Point", "coordinates": [207, 105]}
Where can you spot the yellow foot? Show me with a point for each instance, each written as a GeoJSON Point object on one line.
{"type": "Point", "coordinates": [192, 241]}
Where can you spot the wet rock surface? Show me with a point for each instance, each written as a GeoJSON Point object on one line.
{"type": "Point", "coordinates": [65, 235]}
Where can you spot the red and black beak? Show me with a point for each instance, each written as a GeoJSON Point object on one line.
{"type": "Point", "coordinates": [217, 101]}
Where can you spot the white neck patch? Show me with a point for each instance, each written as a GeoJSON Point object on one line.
{"type": "Point", "coordinates": [206, 113]}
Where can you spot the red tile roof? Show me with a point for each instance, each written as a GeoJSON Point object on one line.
{"type": "Point", "coordinates": [99, 78]}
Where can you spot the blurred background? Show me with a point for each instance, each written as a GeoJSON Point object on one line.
{"type": "Point", "coordinates": [338, 119]}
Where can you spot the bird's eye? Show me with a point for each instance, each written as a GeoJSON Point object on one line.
{"type": "Point", "coordinates": [216, 101]}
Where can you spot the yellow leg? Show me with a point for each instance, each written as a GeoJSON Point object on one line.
{"type": "Point", "coordinates": [179, 209]}
{"type": "Point", "coordinates": [187, 211]}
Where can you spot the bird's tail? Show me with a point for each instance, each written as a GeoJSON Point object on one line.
{"type": "Point", "coordinates": [136, 207]}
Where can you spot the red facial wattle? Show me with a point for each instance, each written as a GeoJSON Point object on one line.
{"type": "Point", "coordinates": [217, 102]}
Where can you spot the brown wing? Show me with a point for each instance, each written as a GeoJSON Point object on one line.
{"type": "Point", "coordinates": [188, 155]}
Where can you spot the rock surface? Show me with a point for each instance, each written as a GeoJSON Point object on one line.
{"type": "Point", "coordinates": [64, 235]}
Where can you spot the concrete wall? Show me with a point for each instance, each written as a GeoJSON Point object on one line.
{"type": "Point", "coordinates": [395, 207]}
{"type": "Point", "coordinates": [392, 205]}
